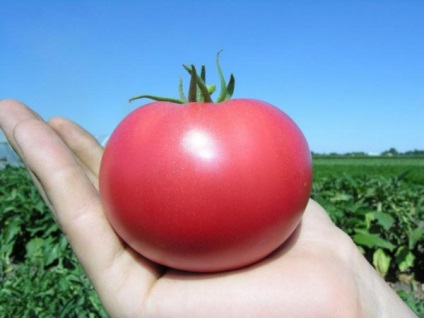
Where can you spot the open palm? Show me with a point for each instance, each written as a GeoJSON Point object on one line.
{"type": "Point", "coordinates": [314, 274]}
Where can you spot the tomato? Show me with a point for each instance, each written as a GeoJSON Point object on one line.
{"type": "Point", "coordinates": [206, 187]}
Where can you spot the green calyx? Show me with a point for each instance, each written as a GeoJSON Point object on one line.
{"type": "Point", "coordinates": [198, 90]}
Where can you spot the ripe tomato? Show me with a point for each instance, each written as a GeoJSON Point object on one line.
{"type": "Point", "coordinates": [203, 186]}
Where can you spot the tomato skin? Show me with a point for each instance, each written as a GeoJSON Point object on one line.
{"type": "Point", "coordinates": [206, 187]}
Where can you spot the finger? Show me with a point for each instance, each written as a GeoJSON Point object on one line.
{"type": "Point", "coordinates": [46, 155]}
{"type": "Point", "coordinates": [81, 142]}
{"type": "Point", "coordinates": [10, 109]}
{"type": "Point", "coordinates": [76, 204]}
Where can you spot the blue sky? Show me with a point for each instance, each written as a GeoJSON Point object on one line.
{"type": "Point", "coordinates": [350, 73]}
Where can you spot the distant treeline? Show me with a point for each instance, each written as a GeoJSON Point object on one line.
{"type": "Point", "coordinates": [392, 152]}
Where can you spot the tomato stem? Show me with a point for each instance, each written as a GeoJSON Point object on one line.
{"type": "Point", "coordinates": [223, 93]}
{"type": "Point", "coordinates": [192, 92]}
{"type": "Point", "coordinates": [198, 90]}
{"type": "Point", "coordinates": [181, 90]}
{"type": "Point", "coordinates": [158, 98]}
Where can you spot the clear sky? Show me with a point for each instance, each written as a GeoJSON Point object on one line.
{"type": "Point", "coordinates": [350, 73]}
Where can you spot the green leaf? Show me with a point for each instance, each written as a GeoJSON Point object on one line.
{"type": "Point", "coordinates": [203, 89]}
{"type": "Point", "coordinates": [340, 197]}
{"type": "Point", "coordinates": [384, 219]}
{"type": "Point", "coordinates": [415, 236]}
{"type": "Point", "coordinates": [199, 94]}
{"type": "Point", "coordinates": [203, 73]}
{"type": "Point", "coordinates": [381, 262]}
{"type": "Point", "coordinates": [230, 87]}
{"type": "Point", "coordinates": [183, 98]}
{"type": "Point", "coordinates": [369, 218]}
{"type": "Point", "coordinates": [9, 236]}
{"type": "Point", "coordinates": [34, 247]}
{"type": "Point", "coordinates": [211, 89]}
{"type": "Point", "coordinates": [157, 98]}
{"type": "Point", "coordinates": [192, 91]}
{"type": "Point", "coordinates": [52, 253]}
{"type": "Point", "coordinates": [404, 258]}
{"type": "Point", "coordinates": [223, 93]}
{"type": "Point", "coordinates": [197, 85]}
{"type": "Point", "coordinates": [372, 240]}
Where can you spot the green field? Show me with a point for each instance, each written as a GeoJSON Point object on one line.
{"type": "Point", "coordinates": [411, 168]}
{"type": "Point", "coordinates": [378, 201]}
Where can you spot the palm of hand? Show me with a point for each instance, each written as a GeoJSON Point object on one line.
{"type": "Point", "coordinates": [306, 277]}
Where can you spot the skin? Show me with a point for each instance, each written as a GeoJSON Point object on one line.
{"type": "Point", "coordinates": [318, 272]}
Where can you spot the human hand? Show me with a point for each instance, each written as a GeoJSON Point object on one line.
{"type": "Point", "coordinates": [318, 272]}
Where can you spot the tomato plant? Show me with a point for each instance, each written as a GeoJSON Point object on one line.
{"type": "Point", "coordinates": [202, 186]}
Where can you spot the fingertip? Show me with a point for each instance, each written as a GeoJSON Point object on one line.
{"type": "Point", "coordinates": [8, 101]}
{"type": "Point", "coordinates": [6, 107]}
{"type": "Point", "coordinates": [12, 112]}
{"type": "Point", "coordinates": [9, 105]}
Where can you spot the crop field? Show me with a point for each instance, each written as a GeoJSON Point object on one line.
{"type": "Point", "coordinates": [411, 167]}
{"type": "Point", "coordinates": [379, 202]}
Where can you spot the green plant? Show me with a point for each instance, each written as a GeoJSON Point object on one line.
{"type": "Point", "coordinates": [417, 305]}
{"type": "Point", "coordinates": [412, 168]}
{"type": "Point", "coordinates": [382, 215]}
{"type": "Point", "coordinates": [39, 275]}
